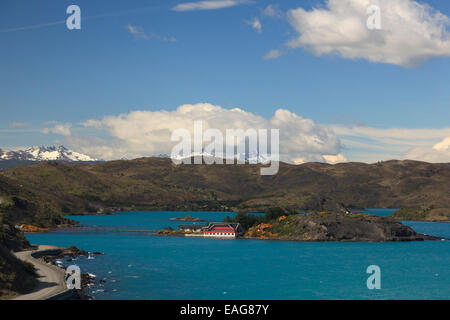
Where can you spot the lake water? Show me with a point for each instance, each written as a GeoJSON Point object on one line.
{"type": "Point", "coordinates": [139, 265]}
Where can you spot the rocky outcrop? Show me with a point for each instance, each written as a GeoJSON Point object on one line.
{"type": "Point", "coordinates": [340, 227]}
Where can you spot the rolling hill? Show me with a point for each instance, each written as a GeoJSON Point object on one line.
{"type": "Point", "coordinates": [42, 193]}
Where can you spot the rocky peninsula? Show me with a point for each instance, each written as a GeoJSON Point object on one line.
{"type": "Point", "coordinates": [354, 227]}
{"type": "Point", "coordinates": [281, 224]}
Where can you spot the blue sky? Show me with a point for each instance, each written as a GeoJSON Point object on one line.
{"type": "Point", "coordinates": [51, 75]}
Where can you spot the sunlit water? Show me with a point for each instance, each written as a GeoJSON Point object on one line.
{"type": "Point", "coordinates": [141, 265]}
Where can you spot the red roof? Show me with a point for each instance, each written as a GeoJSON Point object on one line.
{"type": "Point", "coordinates": [220, 229]}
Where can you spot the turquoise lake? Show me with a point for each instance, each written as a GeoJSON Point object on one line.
{"type": "Point", "coordinates": [140, 265]}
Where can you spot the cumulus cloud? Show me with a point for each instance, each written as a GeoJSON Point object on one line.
{"type": "Point", "coordinates": [272, 54]}
{"type": "Point", "coordinates": [443, 146]}
{"type": "Point", "coordinates": [335, 159]}
{"type": "Point", "coordinates": [411, 32]}
{"type": "Point", "coordinates": [207, 5]}
{"type": "Point", "coordinates": [439, 153]}
{"type": "Point", "coordinates": [145, 133]}
{"type": "Point", "coordinates": [256, 24]}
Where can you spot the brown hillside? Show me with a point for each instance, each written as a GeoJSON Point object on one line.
{"type": "Point", "coordinates": [158, 184]}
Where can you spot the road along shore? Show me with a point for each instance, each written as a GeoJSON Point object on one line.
{"type": "Point", "coordinates": [50, 281]}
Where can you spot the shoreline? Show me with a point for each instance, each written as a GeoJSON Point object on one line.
{"type": "Point", "coordinates": [305, 241]}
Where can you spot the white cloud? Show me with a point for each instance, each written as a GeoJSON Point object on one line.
{"type": "Point", "coordinates": [410, 33]}
{"type": "Point", "coordinates": [256, 24]}
{"type": "Point", "coordinates": [368, 144]}
{"type": "Point", "coordinates": [61, 129]}
{"type": "Point", "coordinates": [207, 5]}
{"type": "Point", "coordinates": [439, 153]}
{"type": "Point", "coordinates": [17, 124]}
{"type": "Point", "coordinates": [145, 133]}
{"type": "Point", "coordinates": [273, 11]}
{"type": "Point", "coordinates": [139, 33]}
{"type": "Point", "coordinates": [443, 146]}
{"type": "Point", "coordinates": [395, 136]}
{"type": "Point", "coordinates": [272, 54]}
{"type": "Point", "coordinates": [335, 159]}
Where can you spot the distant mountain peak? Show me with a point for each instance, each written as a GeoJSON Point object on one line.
{"type": "Point", "coordinates": [45, 153]}
{"type": "Point", "coordinates": [250, 157]}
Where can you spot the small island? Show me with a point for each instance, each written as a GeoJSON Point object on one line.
{"type": "Point", "coordinates": [187, 218]}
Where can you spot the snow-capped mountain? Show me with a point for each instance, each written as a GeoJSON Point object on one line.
{"type": "Point", "coordinates": [50, 153]}
{"type": "Point", "coordinates": [252, 157]}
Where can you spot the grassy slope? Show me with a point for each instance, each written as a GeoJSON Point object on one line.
{"type": "Point", "coordinates": [22, 204]}
{"type": "Point", "coordinates": [423, 214]}
{"type": "Point", "coordinates": [155, 183]}
{"type": "Point", "coordinates": [15, 276]}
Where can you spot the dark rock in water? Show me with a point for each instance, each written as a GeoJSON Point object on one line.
{"type": "Point", "coordinates": [340, 227]}
{"type": "Point", "coordinates": [86, 280]}
{"type": "Point", "coordinates": [186, 218]}
{"type": "Point", "coordinates": [68, 253]}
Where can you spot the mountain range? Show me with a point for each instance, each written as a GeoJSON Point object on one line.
{"type": "Point", "coordinates": [248, 157]}
{"type": "Point", "coordinates": [61, 153]}
{"type": "Point", "coordinates": [50, 153]}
